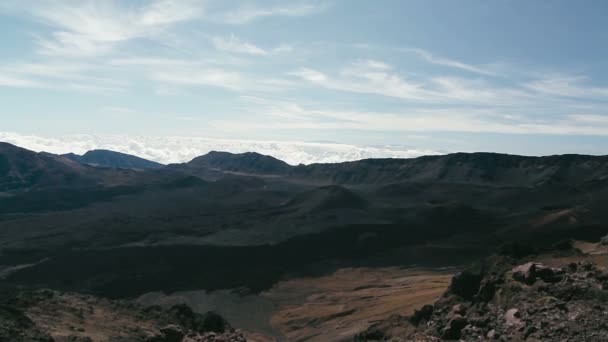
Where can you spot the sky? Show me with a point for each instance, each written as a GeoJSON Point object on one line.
{"type": "Point", "coordinates": [170, 79]}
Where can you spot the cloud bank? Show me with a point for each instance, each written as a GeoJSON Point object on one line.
{"type": "Point", "coordinates": [169, 149]}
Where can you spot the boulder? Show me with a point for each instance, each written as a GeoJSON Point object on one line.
{"type": "Point", "coordinates": [548, 274]}
{"type": "Point", "coordinates": [529, 272]}
{"type": "Point", "coordinates": [422, 315]}
{"type": "Point", "coordinates": [208, 322]}
{"type": "Point", "coordinates": [158, 337]}
{"type": "Point", "coordinates": [488, 286]}
{"type": "Point", "coordinates": [72, 338]}
{"type": "Point", "coordinates": [172, 333]}
{"type": "Point", "coordinates": [466, 284]}
{"type": "Point", "coordinates": [214, 322]}
{"type": "Point", "coordinates": [513, 318]}
{"type": "Point", "coordinates": [452, 331]}
{"type": "Point", "coordinates": [460, 309]}
{"type": "Point", "coordinates": [524, 273]}
{"type": "Point", "coordinates": [492, 334]}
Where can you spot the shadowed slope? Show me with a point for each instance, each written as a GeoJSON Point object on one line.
{"type": "Point", "coordinates": [21, 168]}
{"type": "Point", "coordinates": [106, 158]}
{"type": "Point", "coordinates": [490, 169]}
{"type": "Point", "coordinates": [249, 162]}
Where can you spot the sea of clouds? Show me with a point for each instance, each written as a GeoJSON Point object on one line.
{"type": "Point", "coordinates": [176, 149]}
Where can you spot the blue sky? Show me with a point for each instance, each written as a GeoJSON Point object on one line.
{"type": "Point", "coordinates": [526, 77]}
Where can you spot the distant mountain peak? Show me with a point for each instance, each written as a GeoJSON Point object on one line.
{"type": "Point", "coordinates": [113, 159]}
{"type": "Point", "coordinates": [248, 162]}
{"type": "Point", "coordinates": [24, 169]}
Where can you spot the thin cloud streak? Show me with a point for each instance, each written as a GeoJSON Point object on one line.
{"type": "Point", "coordinates": [567, 86]}
{"type": "Point", "coordinates": [430, 58]}
{"type": "Point", "coordinates": [233, 44]}
{"type": "Point", "coordinates": [379, 78]}
{"type": "Point", "coordinates": [17, 82]}
{"type": "Point", "coordinates": [40, 77]}
{"type": "Point", "coordinates": [293, 116]}
{"type": "Point", "coordinates": [92, 28]}
{"type": "Point", "coordinates": [245, 15]}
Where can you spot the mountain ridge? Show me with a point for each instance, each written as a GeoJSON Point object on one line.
{"type": "Point", "coordinates": [477, 168]}
{"type": "Point", "coordinates": [480, 168]}
{"type": "Point", "coordinates": [242, 162]}
{"type": "Point", "coordinates": [21, 168]}
{"type": "Point", "coordinates": [108, 158]}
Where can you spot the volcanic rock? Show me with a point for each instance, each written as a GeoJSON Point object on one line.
{"type": "Point", "coordinates": [539, 303]}
{"type": "Point", "coordinates": [529, 272]}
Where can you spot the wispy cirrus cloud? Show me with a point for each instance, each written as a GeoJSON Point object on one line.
{"type": "Point", "coordinates": [477, 92]}
{"type": "Point", "coordinates": [366, 78]}
{"type": "Point", "coordinates": [234, 44]}
{"type": "Point", "coordinates": [590, 118]}
{"type": "Point", "coordinates": [58, 76]}
{"type": "Point", "coordinates": [91, 28]}
{"type": "Point", "coordinates": [380, 78]}
{"type": "Point", "coordinates": [541, 91]}
{"type": "Point", "coordinates": [291, 115]}
{"type": "Point", "coordinates": [183, 72]}
{"type": "Point", "coordinates": [50, 70]}
{"type": "Point", "coordinates": [247, 14]}
{"type": "Point", "coordinates": [569, 86]}
{"type": "Point", "coordinates": [17, 82]}
{"type": "Point", "coordinates": [210, 77]}
{"type": "Point", "coordinates": [430, 58]}
{"type": "Point", "coordinates": [85, 30]}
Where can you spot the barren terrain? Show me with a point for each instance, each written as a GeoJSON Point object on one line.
{"type": "Point", "coordinates": [310, 252]}
{"type": "Point", "coordinates": [334, 307]}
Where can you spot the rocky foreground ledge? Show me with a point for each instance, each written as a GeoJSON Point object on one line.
{"type": "Point", "coordinates": [49, 316]}
{"type": "Point", "coordinates": [548, 297]}
{"type": "Point", "coordinates": [506, 300]}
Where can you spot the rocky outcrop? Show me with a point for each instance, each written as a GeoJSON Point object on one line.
{"type": "Point", "coordinates": [49, 316]}
{"type": "Point", "coordinates": [510, 301]}
{"type": "Point", "coordinates": [15, 326]}
{"type": "Point", "coordinates": [174, 333]}
{"type": "Point", "coordinates": [208, 322]}
{"type": "Point", "coordinates": [531, 271]}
